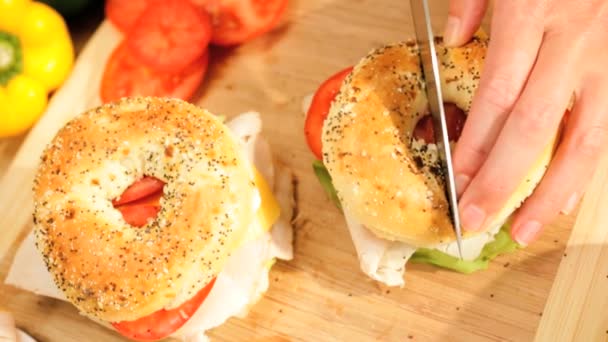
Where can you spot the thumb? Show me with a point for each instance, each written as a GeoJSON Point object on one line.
{"type": "Point", "coordinates": [464, 19]}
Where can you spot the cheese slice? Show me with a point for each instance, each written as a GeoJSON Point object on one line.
{"type": "Point", "coordinates": [268, 212]}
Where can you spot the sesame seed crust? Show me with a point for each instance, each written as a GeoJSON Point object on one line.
{"type": "Point", "coordinates": [381, 179]}
{"type": "Point", "coordinates": [116, 272]}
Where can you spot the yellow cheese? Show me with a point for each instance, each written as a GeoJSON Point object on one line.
{"type": "Point", "coordinates": [269, 210]}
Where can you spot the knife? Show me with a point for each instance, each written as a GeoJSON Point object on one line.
{"type": "Point", "coordinates": [430, 68]}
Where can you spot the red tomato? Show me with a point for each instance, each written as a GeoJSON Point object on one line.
{"type": "Point", "coordinates": [124, 13]}
{"type": "Point", "coordinates": [140, 189]}
{"type": "Point", "coordinates": [454, 117]}
{"type": "Point", "coordinates": [153, 199]}
{"type": "Point", "coordinates": [138, 215]}
{"type": "Point", "coordinates": [170, 35]}
{"type": "Point", "coordinates": [235, 22]}
{"type": "Point", "coordinates": [125, 76]}
{"type": "Point", "coordinates": [319, 108]}
{"type": "Point", "coordinates": [163, 322]}
{"type": "Point", "coordinates": [424, 129]}
{"type": "Point", "coordinates": [140, 201]}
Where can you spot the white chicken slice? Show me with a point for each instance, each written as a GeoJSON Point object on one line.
{"type": "Point", "coordinates": [380, 259]}
{"type": "Point", "coordinates": [471, 247]}
{"type": "Point", "coordinates": [243, 280]}
{"type": "Point", "coordinates": [247, 128]}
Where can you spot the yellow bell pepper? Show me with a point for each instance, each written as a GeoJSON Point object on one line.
{"type": "Point", "coordinates": [36, 56]}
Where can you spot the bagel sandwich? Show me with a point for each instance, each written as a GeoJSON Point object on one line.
{"type": "Point", "coordinates": [380, 164]}
{"type": "Point", "coordinates": [156, 219]}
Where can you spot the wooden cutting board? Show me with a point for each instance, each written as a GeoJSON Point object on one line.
{"type": "Point", "coordinates": [322, 295]}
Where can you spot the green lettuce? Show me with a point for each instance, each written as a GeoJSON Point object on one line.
{"type": "Point", "coordinates": [325, 180]}
{"type": "Point", "coordinates": [502, 244]}
{"type": "Point", "coordinates": [502, 241]}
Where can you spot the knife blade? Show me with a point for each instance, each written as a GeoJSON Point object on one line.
{"type": "Point", "coordinates": [430, 67]}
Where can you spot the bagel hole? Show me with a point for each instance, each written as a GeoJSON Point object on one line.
{"type": "Point", "coordinates": [455, 118]}
{"type": "Point", "coordinates": [140, 202]}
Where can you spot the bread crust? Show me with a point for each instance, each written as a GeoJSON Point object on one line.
{"type": "Point", "coordinates": [383, 176]}
{"type": "Point", "coordinates": [116, 272]}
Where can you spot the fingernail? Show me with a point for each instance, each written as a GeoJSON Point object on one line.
{"type": "Point", "coordinates": [473, 217]}
{"type": "Point", "coordinates": [570, 204]}
{"type": "Point", "coordinates": [461, 182]}
{"type": "Point", "coordinates": [527, 232]}
{"type": "Point", "coordinates": [452, 30]}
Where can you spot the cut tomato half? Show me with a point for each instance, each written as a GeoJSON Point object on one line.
{"type": "Point", "coordinates": [235, 22]}
{"type": "Point", "coordinates": [319, 108]}
{"type": "Point", "coordinates": [170, 35]}
{"type": "Point", "coordinates": [163, 323]}
{"type": "Point", "coordinates": [125, 75]}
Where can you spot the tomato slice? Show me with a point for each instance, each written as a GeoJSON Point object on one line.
{"type": "Point", "coordinates": [141, 201]}
{"type": "Point", "coordinates": [163, 322]}
{"type": "Point", "coordinates": [152, 199]}
{"type": "Point", "coordinates": [124, 13]}
{"type": "Point", "coordinates": [319, 108]}
{"type": "Point", "coordinates": [125, 75]}
{"type": "Point", "coordinates": [235, 22]}
{"type": "Point", "coordinates": [424, 129]}
{"type": "Point", "coordinates": [170, 35]}
{"type": "Point", "coordinates": [138, 215]}
{"type": "Point", "coordinates": [140, 189]}
{"type": "Point", "coordinates": [138, 212]}
{"type": "Point", "coordinates": [454, 117]}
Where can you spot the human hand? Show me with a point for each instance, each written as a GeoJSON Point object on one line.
{"type": "Point", "coordinates": [540, 54]}
{"type": "Point", "coordinates": [8, 332]}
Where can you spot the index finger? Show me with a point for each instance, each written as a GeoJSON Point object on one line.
{"type": "Point", "coordinates": [531, 126]}
{"type": "Point", "coordinates": [516, 37]}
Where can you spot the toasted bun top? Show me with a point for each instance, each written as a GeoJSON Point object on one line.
{"type": "Point", "coordinates": [109, 269]}
{"type": "Point", "coordinates": [384, 177]}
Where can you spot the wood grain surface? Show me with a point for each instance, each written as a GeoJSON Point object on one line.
{"type": "Point", "coordinates": [577, 308]}
{"type": "Point", "coordinates": [322, 295]}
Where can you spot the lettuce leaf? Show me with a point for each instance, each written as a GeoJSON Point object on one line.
{"type": "Point", "coordinates": [502, 241]}
{"type": "Point", "coordinates": [502, 244]}
{"type": "Point", "coordinates": [325, 180]}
